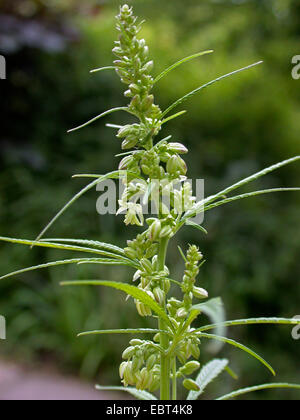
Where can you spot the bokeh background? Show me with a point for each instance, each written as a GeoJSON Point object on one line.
{"type": "Point", "coordinates": [232, 129]}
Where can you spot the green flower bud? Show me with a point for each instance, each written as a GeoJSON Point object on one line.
{"type": "Point", "coordinates": [159, 295]}
{"type": "Point", "coordinates": [136, 342]}
{"type": "Point", "coordinates": [190, 367]}
{"type": "Point", "coordinates": [156, 338]}
{"type": "Point", "coordinates": [129, 142]}
{"type": "Point", "coordinates": [122, 368]}
{"type": "Point", "coordinates": [131, 253]}
{"type": "Point", "coordinates": [166, 285]}
{"type": "Point", "coordinates": [181, 313]}
{"type": "Point", "coordinates": [125, 162]}
{"type": "Point", "coordinates": [154, 230]}
{"type": "Point", "coordinates": [190, 385]}
{"type": "Point", "coordinates": [137, 363]}
{"type": "Point", "coordinates": [166, 231]}
{"type": "Point", "coordinates": [195, 351]}
{"type": "Point", "coordinates": [178, 148]}
{"type": "Point", "coordinates": [143, 309]}
{"type": "Point", "coordinates": [128, 353]}
{"type": "Point", "coordinates": [151, 361]}
{"type": "Point", "coordinates": [200, 293]}
{"type": "Point", "coordinates": [176, 165]}
{"type": "Point", "coordinates": [148, 67]}
{"type": "Point", "coordinates": [146, 265]}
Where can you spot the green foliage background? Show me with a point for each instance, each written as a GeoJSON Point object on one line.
{"type": "Point", "coordinates": [232, 130]}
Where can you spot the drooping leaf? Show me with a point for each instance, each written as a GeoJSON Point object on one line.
{"type": "Point", "coordinates": [251, 321]}
{"type": "Point", "coordinates": [244, 391]}
{"type": "Point", "coordinates": [208, 373]}
{"type": "Point", "coordinates": [122, 331]}
{"type": "Point", "coordinates": [133, 291]}
{"type": "Point", "coordinates": [110, 111]}
{"type": "Point", "coordinates": [239, 346]}
{"type": "Point", "coordinates": [178, 63]}
{"type": "Point", "coordinates": [196, 226]}
{"type": "Point", "coordinates": [190, 94]}
{"type": "Point", "coordinates": [140, 395]}
{"type": "Point", "coordinates": [110, 175]}
{"type": "Point", "coordinates": [214, 309]}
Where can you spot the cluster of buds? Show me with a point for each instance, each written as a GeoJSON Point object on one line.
{"type": "Point", "coordinates": [180, 309]}
{"type": "Point", "coordinates": [141, 368]}
{"type": "Point", "coordinates": [134, 67]}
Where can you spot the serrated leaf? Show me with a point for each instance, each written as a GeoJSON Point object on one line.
{"type": "Point", "coordinates": [243, 391]}
{"type": "Point", "coordinates": [214, 309]}
{"type": "Point", "coordinates": [178, 63]}
{"type": "Point", "coordinates": [133, 291]}
{"type": "Point", "coordinates": [239, 346]}
{"type": "Point", "coordinates": [123, 331]}
{"type": "Point", "coordinates": [251, 321]}
{"type": "Point", "coordinates": [208, 373]}
{"type": "Point", "coordinates": [140, 395]}
{"type": "Point", "coordinates": [110, 111]}
{"type": "Point", "coordinates": [76, 197]}
{"type": "Point", "coordinates": [190, 94]}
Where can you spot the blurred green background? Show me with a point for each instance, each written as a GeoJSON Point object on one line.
{"type": "Point", "coordinates": [232, 129]}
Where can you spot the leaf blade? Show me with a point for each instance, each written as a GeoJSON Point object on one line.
{"type": "Point", "coordinates": [252, 321]}
{"type": "Point", "coordinates": [133, 291]}
{"type": "Point", "coordinates": [208, 373]}
{"type": "Point", "coordinates": [243, 391]}
{"type": "Point", "coordinates": [140, 395]}
{"type": "Point", "coordinates": [123, 331]}
{"type": "Point", "coordinates": [178, 63]}
{"type": "Point", "coordinates": [192, 93]}
{"type": "Point", "coordinates": [241, 347]}
{"type": "Point", "coordinates": [103, 114]}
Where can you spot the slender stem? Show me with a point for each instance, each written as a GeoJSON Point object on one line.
{"type": "Point", "coordinates": [164, 339]}
{"type": "Point", "coordinates": [174, 381]}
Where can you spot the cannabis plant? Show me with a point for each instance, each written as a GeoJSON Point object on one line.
{"type": "Point", "coordinates": [152, 169]}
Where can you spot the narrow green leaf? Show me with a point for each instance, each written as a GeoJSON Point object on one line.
{"type": "Point", "coordinates": [102, 68]}
{"type": "Point", "coordinates": [190, 94]}
{"type": "Point", "coordinates": [192, 316]}
{"type": "Point", "coordinates": [251, 321]}
{"type": "Point", "coordinates": [257, 388]}
{"type": "Point", "coordinates": [133, 291]}
{"type": "Point", "coordinates": [240, 346]}
{"type": "Point", "coordinates": [96, 244]}
{"type": "Point", "coordinates": [204, 203]}
{"type": "Point", "coordinates": [214, 309]}
{"type": "Point", "coordinates": [65, 247]}
{"type": "Point", "coordinates": [231, 373]}
{"type": "Point", "coordinates": [47, 265]}
{"type": "Point", "coordinates": [140, 395]}
{"type": "Point", "coordinates": [247, 195]}
{"type": "Point", "coordinates": [75, 198]}
{"type": "Point", "coordinates": [114, 126]}
{"type": "Point", "coordinates": [122, 331]}
{"type": "Point", "coordinates": [196, 226]}
{"type": "Point", "coordinates": [110, 111]}
{"type": "Point", "coordinates": [208, 373]}
{"type": "Point", "coordinates": [178, 63]}
{"type": "Point", "coordinates": [172, 117]}
{"type": "Point", "coordinates": [182, 253]}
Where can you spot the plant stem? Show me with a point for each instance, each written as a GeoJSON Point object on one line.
{"type": "Point", "coordinates": [164, 339]}
{"type": "Point", "coordinates": [174, 382]}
